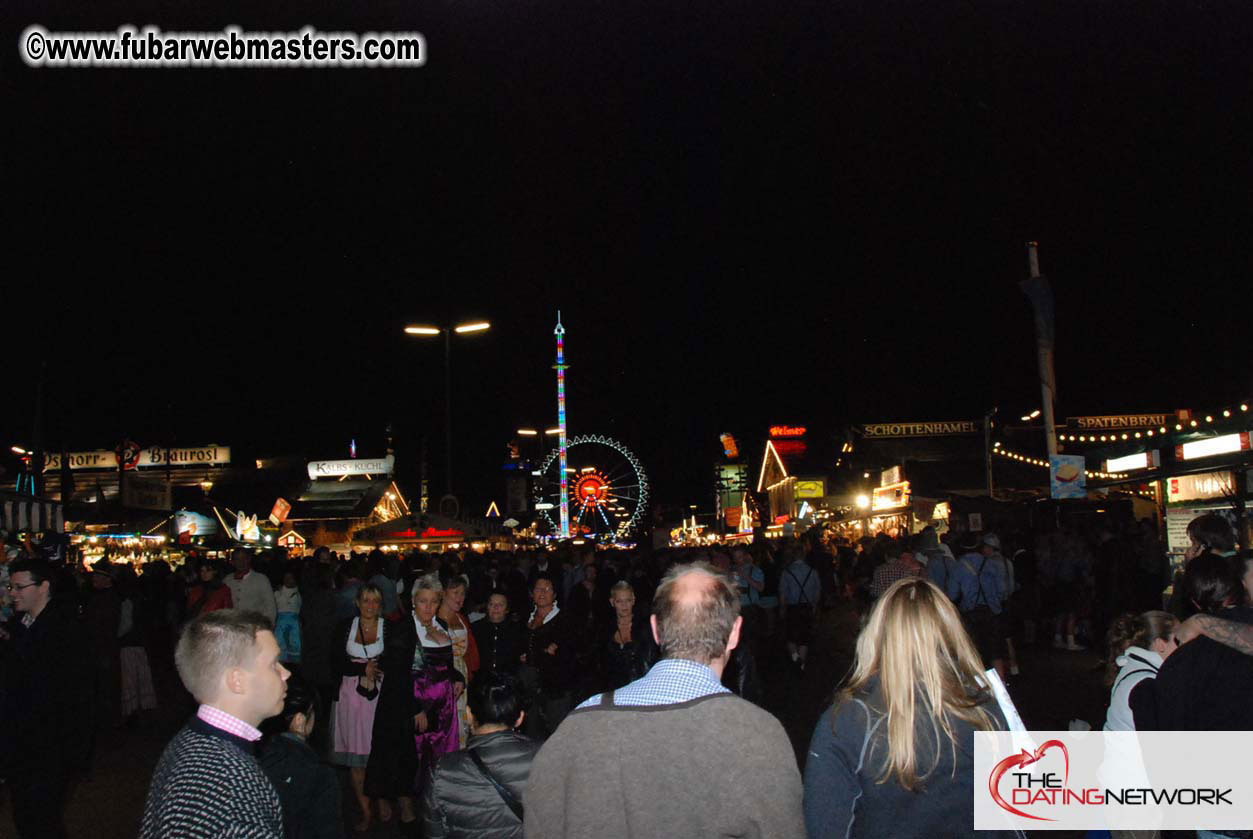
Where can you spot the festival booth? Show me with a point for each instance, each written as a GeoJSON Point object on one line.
{"type": "Point", "coordinates": [27, 514]}
{"type": "Point", "coordinates": [1193, 464]}
{"type": "Point", "coordinates": [431, 531]}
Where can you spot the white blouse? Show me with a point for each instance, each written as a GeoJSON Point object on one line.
{"type": "Point", "coordinates": [424, 638]}
{"type": "Point", "coordinates": [357, 650]}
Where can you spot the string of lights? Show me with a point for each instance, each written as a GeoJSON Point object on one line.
{"type": "Point", "coordinates": [1035, 461]}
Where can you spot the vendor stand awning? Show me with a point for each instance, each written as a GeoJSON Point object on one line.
{"type": "Point", "coordinates": [24, 513]}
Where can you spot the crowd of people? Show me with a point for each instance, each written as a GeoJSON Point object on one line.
{"type": "Point", "coordinates": [582, 692]}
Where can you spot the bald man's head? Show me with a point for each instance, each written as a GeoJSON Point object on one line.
{"type": "Point", "coordinates": [695, 611]}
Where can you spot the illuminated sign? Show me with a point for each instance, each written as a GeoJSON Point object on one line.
{"type": "Point", "coordinates": [1122, 421]}
{"type": "Point", "coordinates": [100, 459]}
{"type": "Point", "coordinates": [890, 476]}
{"type": "Point", "coordinates": [278, 514]}
{"type": "Point", "coordinates": [1214, 445]}
{"type": "Point", "coordinates": [442, 533]}
{"type": "Point", "coordinates": [149, 457]}
{"type": "Point", "coordinates": [246, 528]}
{"type": "Point", "coordinates": [787, 431]}
{"type": "Point", "coordinates": [810, 488]}
{"type": "Point", "coordinates": [890, 497]}
{"type": "Point", "coordinates": [359, 466]}
{"type": "Point", "coordinates": [1143, 460]}
{"type": "Point", "coordinates": [790, 448]}
{"type": "Point", "coordinates": [199, 456]}
{"type": "Point", "coordinates": [1200, 487]}
{"type": "Point", "coordinates": [729, 447]}
{"type": "Point", "coordinates": [920, 429]}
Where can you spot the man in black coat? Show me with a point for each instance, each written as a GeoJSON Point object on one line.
{"type": "Point", "coordinates": [46, 732]}
{"type": "Point", "coordinates": [479, 790]}
{"type": "Point", "coordinates": [499, 638]}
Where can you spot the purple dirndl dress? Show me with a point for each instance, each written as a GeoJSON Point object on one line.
{"type": "Point", "coordinates": [433, 689]}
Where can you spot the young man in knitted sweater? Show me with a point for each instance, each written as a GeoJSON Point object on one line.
{"type": "Point", "coordinates": [208, 784]}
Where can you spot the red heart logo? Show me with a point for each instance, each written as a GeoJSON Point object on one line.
{"type": "Point", "coordinates": [1024, 758]}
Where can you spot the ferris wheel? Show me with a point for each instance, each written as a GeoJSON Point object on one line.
{"type": "Point", "coordinates": [606, 486]}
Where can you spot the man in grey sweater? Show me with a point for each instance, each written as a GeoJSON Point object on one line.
{"type": "Point", "coordinates": [673, 753]}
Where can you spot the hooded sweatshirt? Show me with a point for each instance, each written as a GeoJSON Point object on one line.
{"type": "Point", "coordinates": [1134, 666]}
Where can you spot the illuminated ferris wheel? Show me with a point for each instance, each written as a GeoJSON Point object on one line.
{"type": "Point", "coordinates": [606, 485]}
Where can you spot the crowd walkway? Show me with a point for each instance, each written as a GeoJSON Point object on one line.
{"type": "Point", "coordinates": [1054, 687]}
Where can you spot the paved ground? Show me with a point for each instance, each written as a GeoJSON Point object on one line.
{"type": "Point", "coordinates": [1053, 688]}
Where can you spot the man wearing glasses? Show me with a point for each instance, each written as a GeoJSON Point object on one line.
{"type": "Point", "coordinates": [45, 736]}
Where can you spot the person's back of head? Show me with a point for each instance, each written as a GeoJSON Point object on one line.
{"type": "Point", "coordinates": [297, 716]}
{"type": "Point", "coordinates": [926, 664]}
{"type": "Point", "coordinates": [1132, 630]}
{"type": "Point", "coordinates": [1210, 583]}
{"type": "Point", "coordinates": [1212, 532]}
{"type": "Point", "coordinates": [374, 563]}
{"type": "Point", "coordinates": [494, 702]}
{"type": "Point", "coordinates": [695, 611]}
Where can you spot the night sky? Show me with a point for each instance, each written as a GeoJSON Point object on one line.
{"type": "Point", "coordinates": [747, 212]}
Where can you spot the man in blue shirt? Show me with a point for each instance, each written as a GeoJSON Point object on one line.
{"type": "Point", "coordinates": [983, 586]}
{"type": "Point", "coordinates": [799, 592]}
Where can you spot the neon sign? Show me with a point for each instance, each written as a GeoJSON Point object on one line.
{"type": "Point", "coordinates": [787, 431]}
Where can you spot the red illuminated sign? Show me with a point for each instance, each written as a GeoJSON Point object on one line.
{"type": "Point", "coordinates": [438, 533]}
{"type": "Point", "coordinates": [790, 448]}
{"type": "Point", "coordinates": [787, 431]}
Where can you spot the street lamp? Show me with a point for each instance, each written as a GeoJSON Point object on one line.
{"type": "Point", "coordinates": [447, 331]}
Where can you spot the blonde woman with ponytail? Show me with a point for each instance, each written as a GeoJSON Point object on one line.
{"type": "Point", "coordinates": [893, 757]}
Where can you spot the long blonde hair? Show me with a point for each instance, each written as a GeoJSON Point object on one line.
{"type": "Point", "coordinates": [915, 643]}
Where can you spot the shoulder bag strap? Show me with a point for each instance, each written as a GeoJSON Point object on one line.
{"type": "Point", "coordinates": [513, 803]}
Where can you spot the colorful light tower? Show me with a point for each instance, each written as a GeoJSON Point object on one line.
{"type": "Point", "coordinates": [560, 367]}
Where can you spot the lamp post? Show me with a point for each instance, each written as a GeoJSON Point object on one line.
{"type": "Point", "coordinates": [448, 332]}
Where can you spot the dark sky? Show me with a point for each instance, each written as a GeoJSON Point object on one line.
{"type": "Point", "coordinates": [748, 212]}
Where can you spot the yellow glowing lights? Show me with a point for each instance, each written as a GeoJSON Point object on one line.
{"type": "Point", "coordinates": [480, 326]}
{"type": "Point", "coordinates": [422, 330]}
{"type": "Point", "coordinates": [863, 502]}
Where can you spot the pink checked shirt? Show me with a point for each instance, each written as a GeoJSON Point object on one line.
{"type": "Point", "coordinates": [225, 722]}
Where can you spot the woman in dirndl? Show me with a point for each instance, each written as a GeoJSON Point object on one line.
{"type": "Point", "coordinates": [465, 653]}
{"type": "Point", "coordinates": [360, 644]}
{"type": "Point", "coordinates": [416, 722]}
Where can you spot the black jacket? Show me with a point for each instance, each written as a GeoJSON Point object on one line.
{"type": "Point", "coordinates": [557, 671]}
{"type": "Point", "coordinates": [307, 788]}
{"type": "Point", "coordinates": [1202, 686]}
{"type": "Point", "coordinates": [460, 801]}
{"type": "Point", "coordinates": [46, 695]}
{"type": "Point", "coordinates": [500, 645]}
